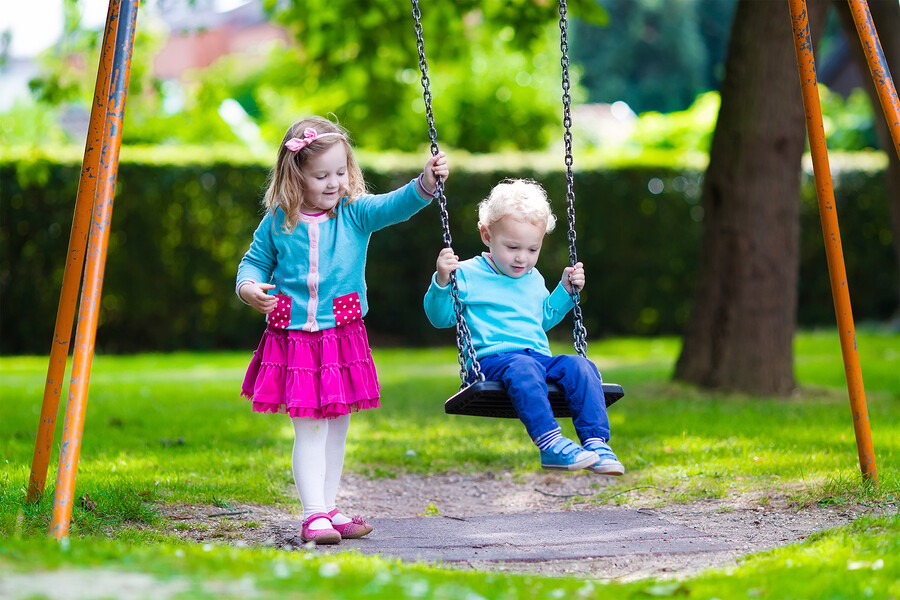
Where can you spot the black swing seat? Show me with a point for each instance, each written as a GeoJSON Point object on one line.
{"type": "Point", "coordinates": [489, 399]}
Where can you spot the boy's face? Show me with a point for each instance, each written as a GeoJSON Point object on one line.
{"type": "Point", "coordinates": [515, 245]}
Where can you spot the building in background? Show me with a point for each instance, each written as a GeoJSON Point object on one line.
{"type": "Point", "coordinates": [200, 32]}
{"type": "Point", "coordinates": [203, 31]}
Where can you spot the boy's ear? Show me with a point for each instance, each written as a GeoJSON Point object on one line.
{"type": "Point", "coordinates": [486, 235]}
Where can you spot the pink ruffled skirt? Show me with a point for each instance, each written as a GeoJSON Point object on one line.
{"type": "Point", "coordinates": [319, 374]}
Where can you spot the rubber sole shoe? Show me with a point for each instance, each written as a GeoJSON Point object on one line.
{"type": "Point", "coordinates": [356, 528]}
{"type": "Point", "coordinates": [608, 463]}
{"type": "Point", "coordinates": [566, 455]}
{"type": "Point", "coordinates": [319, 536]}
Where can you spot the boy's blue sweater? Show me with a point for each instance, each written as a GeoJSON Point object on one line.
{"type": "Point", "coordinates": [503, 313]}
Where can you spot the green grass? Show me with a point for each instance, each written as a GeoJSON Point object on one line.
{"type": "Point", "coordinates": [163, 429]}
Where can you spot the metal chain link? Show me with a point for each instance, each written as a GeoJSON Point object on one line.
{"type": "Point", "coordinates": [463, 335]}
{"type": "Point", "coordinates": [579, 332]}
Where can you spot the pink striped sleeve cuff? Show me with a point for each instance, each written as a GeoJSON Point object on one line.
{"type": "Point", "coordinates": [237, 289]}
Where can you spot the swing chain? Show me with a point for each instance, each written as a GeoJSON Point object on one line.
{"type": "Point", "coordinates": [580, 332]}
{"type": "Point", "coordinates": [463, 335]}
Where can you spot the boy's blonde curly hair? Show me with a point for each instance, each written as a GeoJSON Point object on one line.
{"type": "Point", "coordinates": [523, 199]}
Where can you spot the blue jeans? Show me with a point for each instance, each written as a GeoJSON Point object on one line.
{"type": "Point", "coordinates": [525, 374]}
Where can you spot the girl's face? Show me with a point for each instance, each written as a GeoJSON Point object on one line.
{"type": "Point", "coordinates": [515, 245]}
{"type": "Point", "coordinates": [327, 179]}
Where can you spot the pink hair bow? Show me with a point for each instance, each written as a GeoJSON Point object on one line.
{"type": "Point", "coordinates": [309, 136]}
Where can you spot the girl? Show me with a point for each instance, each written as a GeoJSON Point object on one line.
{"type": "Point", "coordinates": [305, 271]}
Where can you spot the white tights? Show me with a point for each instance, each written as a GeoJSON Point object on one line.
{"type": "Point", "coordinates": [317, 461]}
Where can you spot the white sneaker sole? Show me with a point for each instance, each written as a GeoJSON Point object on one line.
{"type": "Point", "coordinates": [611, 469]}
{"type": "Point", "coordinates": [577, 466]}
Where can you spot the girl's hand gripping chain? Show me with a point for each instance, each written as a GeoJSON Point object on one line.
{"type": "Point", "coordinates": [447, 262]}
{"type": "Point", "coordinates": [436, 166]}
{"type": "Point", "coordinates": [573, 278]}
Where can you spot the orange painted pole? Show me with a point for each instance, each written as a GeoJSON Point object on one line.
{"type": "Point", "coordinates": [89, 307]}
{"type": "Point", "coordinates": [833, 250]}
{"type": "Point", "coordinates": [68, 297]}
{"type": "Point", "coordinates": [878, 67]}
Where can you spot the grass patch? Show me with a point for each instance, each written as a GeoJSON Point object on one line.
{"type": "Point", "coordinates": [164, 429]}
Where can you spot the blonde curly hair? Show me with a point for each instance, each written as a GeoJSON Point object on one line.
{"type": "Point", "coordinates": [523, 199]}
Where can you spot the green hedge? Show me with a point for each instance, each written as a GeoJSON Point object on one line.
{"type": "Point", "coordinates": [181, 224]}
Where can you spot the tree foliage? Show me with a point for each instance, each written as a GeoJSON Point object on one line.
{"type": "Point", "coordinates": [655, 55]}
{"type": "Point", "coordinates": [493, 68]}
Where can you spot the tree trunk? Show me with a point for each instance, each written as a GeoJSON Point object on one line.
{"type": "Point", "coordinates": [740, 332]}
{"type": "Point", "coordinates": [886, 16]}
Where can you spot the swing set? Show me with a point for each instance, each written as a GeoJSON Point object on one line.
{"type": "Point", "coordinates": [93, 212]}
{"type": "Point", "coordinates": [477, 396]}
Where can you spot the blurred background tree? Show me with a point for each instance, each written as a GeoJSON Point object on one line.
{"type": "Point", "coordinates": [494, 75]}
{"type": "Point", "coordinates": [659, 56]}
{"type": "Point", "coordinates": [494, 67]}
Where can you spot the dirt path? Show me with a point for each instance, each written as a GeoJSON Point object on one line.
{"type": "Point", "coordinates": [750, 524]}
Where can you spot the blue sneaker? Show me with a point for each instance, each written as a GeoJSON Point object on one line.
{"type": "Point", "coordinates": [566, 455]}
{"type": "Point", "coordinates": [608, 463]}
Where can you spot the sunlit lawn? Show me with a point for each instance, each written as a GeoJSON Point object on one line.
{"type": "Point", "coordinates": [171, 428]}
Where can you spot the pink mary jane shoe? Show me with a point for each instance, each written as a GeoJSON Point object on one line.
{"type": "Point", "coordinates": [319, 536]}
{"type": "Point", "coordinates": [356, 528]}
